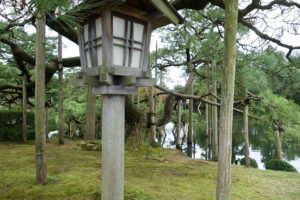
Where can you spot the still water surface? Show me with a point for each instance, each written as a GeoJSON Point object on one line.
{"type": "Point", "coordinates": [260, 138]}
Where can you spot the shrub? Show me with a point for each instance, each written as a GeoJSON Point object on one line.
{"type": "Point", "coordinates": [154, 144]}
{"type": "Point", "coordinates": [11, 125]}
{"type": "Point", "coordinates": [253, 162]}
{"type": "Point", "coordinates": [279, 165]}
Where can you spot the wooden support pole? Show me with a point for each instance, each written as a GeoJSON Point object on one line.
{"type": "Point", "coordinates": [90, 124]}
{"type": "Point", "coordinates": [40, 137]}
{"type": "Point", "coordinates": [24, 109]}
{"type": "Point", "coordinates": [138, 98]}
{"type": "Point", "coordinates": [152, 135]}
{"type": "Point", "coordinates": [227, 99]}
{"type": "Point", "coordinates": [60, 94]}
{"type": "Point", "coordinates": [215, 137]}
{"type": "Point", "coordinates": [178, 123]}
{"type": "Point", "coordinates": [246, 137]}
{"type": "Point", "coordinates": [191, 105]}
{"type": "Point", "coordinates": [113, 125]}
{"type": "Point", "coordinates": [161, 84]}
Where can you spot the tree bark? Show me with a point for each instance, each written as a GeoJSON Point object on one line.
{"type": "Point", "coordinates": [246, 137]}
{"type": "Point", "coordinates": [278, 152]}
{"type": "Point", "coordinates": [227, 96]}
{"type": "Point", "coordinates": [24, 109]}
{"type": "Point", "coordinates": [152, 135]}
{"type": "Point", "coordinates": [90, 125]}
{"type": "Point", "coordinates": [190, 127]}
{"type": "Point", "coordinates": [40, 137]}
{"type": "Point", "coordinates": [60, 93]}
{"type": "Point", "coordinates": [177, 140]}
{"type": "Point", "coordinates": [215, 137]}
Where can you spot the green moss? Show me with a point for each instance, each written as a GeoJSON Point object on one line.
{"type": "Point", "coordinates": [150, 173]}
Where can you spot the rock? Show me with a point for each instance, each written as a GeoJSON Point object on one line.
{"type": "Point", "coordinates": [90, 145]}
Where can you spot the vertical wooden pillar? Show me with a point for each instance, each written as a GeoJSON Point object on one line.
{"type": "Point", "coordinates": [90, 122]}
{"type": "Point", "coordinates": [113, 125]}
{"type": "Point", "coordinates": [208, 114]}
{"type": "Point", "coordinates": [160, 84]}
{"type": "Point", "coordinates": [178, 123]}
{"type": "Point", "coordinates": [138, 98]}
{"type": "Point", "coordinates": [215, 138]}
{"type": "Point", "coordinates": [152, 136]}
{"type": "Point", "coordinates": [24, 108]}
{"type": "Point", "coordinates": [47, 121]}
{"type": "Point", "coordinates": [227, 97]}
{"type": "Point", "coordinates": [40, 138]}
{"type": "Point", "coordinates": [60, 93]}
{"type": "Point", "coordinates": [246, 137]}
{"type": "Point", "coordinates": [191, 105]}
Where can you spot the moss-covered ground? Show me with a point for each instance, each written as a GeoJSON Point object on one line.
{"type": "Point", "coordinates": [150, 173]}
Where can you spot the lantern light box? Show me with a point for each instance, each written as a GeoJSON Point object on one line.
{"type": "Point", "coordinates": [114, 43]}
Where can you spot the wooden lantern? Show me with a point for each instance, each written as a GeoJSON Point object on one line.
{"type": "Point", "coordinates": [115, 43]}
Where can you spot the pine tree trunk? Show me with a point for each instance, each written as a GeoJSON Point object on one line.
{"type": "Point", "coordinates": [246, 137]}
{"type": "Point", "coordinates": [227, 96]}
{"type": "Point", "coordinates": [60, 93]}
{"type": "Point", "coordinates": [215, 137]}
{"type": "Point", "coordinates": [40, 137]}
{"type": "Point", "coordinates": [24, 109]}
{"type": "Point", "coordinates": [178, 124]}
{"type": "Point", "coordinates": [278, 152]}
{"type": "Point", "coordinates": [90, 124]}
{"type": "Point", "coordinates": [190, 127]}
{"type": "Point", "coordinates": [152, 134]}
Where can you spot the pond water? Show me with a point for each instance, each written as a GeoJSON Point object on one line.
{"type": "Point", "coordinates": [260, 138]}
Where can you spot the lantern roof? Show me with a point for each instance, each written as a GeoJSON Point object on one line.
{"type": "Point", "coordinates": [158, 12]}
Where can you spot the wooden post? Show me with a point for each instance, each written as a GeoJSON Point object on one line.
{"type": "Point", "coordinates": [215, 138]}
{"type": "Point", "coordinates": [190, 127]}
{"type": "Point", "coordinates": [152, 136]}
{"type": "Point", "coordinates": [208, 114]}
{"type": "Point", "coordinates": [138, 98]}
{"type": "Point", "coordinates": [24, 108]}
{"type": "Point", "coordinates": [47, 121]}
{"type": "Point", "coordinates": [156, 79]}
{"type": "Point", "coordinates": [227, 96]}
{"type": "Point", "coordinates": [60, 93]}
{"type": "Point", "coordinates": [40, 137]}
{"type": "Point", "coordinates": [90, 123]}
{"type": "Point", "coordinates": [178, 123]}
{"type": "Point", "coordinates": [113, 125]}
{"type": "Point", "coordinates": [160, 84]}
{"type": "Point", "coordinates": [246, 137]}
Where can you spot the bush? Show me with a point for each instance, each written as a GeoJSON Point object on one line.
{"type": "Point", "coordinates": [279, 165]}
{"type": "Point", "coordinates": [11, 125]}
{"type": "Point", "coordinates": [253, 162]}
